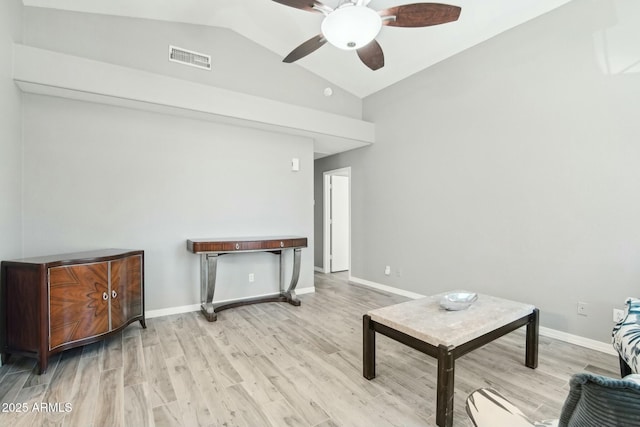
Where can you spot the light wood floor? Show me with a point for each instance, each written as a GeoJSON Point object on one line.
{"type": "Point", "coordinates": [278, 365]}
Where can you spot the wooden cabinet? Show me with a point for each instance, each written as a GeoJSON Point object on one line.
{"type": "Point", "coordinates": [54, 303]}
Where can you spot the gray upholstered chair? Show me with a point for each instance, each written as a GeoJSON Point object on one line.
{"type": "Point", "coordinates": [626, 339]}
{"type": "Point", "coordinates": [593, 401]}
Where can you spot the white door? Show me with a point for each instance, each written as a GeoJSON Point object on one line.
{"type": "Point", "coordinates": [339, 223]}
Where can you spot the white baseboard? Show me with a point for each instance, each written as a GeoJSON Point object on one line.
{"type": "Point", "coordinates": [385, 288]}
{"type": "Point", "coordinates": [307, 290]}
{"type": "Point", "coordinates": [318, 269]}
{"type": "Point", "coordinates": [578, 340]}
{"type": "Point", "coordinates": [149, 314]}
{"type": "Point", "coordinates": [547, 332]}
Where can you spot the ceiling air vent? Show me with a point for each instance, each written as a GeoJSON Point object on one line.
{"type": "Point", "coordinates": [189, 57]}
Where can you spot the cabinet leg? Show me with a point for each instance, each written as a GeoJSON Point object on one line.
{"type": "Point", "coordinates": [5, 358]}
{"type": "Point", "coordinates": [143, 323]}
{"type": "Point", "coordinates": [43, 364]}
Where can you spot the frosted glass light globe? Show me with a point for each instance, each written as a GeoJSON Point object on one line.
{"type": "Point", "coordinates": [351, 27]}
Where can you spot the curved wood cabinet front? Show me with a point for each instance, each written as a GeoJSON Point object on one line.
{"type": "Point", "coordinates": [126, 290]}
{"type": "Point", "coordinates": [77, 307]}
{"type": "Point", "coordinates": [58, 302]}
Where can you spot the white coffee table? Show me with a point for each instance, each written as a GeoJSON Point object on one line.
{"type": "Point", "coordinates": [447, 335]}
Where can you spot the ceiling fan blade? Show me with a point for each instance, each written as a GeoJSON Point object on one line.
{"type": "Point", "coordinates": [305, 48]}
{"type": "Point", "coordinates": [420, 14]}
{"type": "Point", "coordinates": [372, 55]}
{"type": "Point", "coordinates": [302, 4]}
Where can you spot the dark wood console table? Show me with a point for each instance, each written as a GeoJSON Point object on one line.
{"type": "Point", "coordinates": [209, 251]}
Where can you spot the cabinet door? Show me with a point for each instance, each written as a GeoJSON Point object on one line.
{"type": "Point", "coordinates": [79, 302]}
{"type": "Point", "coordinates": [126, 290]}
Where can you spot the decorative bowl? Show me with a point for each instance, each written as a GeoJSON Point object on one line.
{"type": "Point", "coordinates": [458, 300]}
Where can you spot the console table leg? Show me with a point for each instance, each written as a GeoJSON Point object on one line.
{"type": "Point", "coordinates": [446, 371]}
{"type": "Point", "coordinates": [295, 275]}
{"type": "Point", "coordinates": [368, 348]}
{"type": "Point", "coordinates": [531, 352]}
{"type": "Point", "coordinates": [208, 267]}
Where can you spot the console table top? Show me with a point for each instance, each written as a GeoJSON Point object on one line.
{"type": "Point", "coordinates": [244, 239]}
{"type": "Point", "coordinates": [244, 244]}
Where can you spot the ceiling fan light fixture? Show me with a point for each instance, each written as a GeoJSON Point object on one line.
{"type": "Point", "coordinates": [351, 27]}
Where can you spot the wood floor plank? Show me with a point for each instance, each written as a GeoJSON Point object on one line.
{"type": "Point", "coordinates": [92, 350]}
{"type": "Point", "coordinates": [133, 360]}
{"type": "Point", "coordinates": [219, 361]}
{"type": "Point", "coordinates": [11, 385]}
{"type": "Point", "coordinates": [60, 389]}
{"type": "Point", "coordinates": [280, 353]}
{"type": "Point", "coordinates": [137, 410]}
{"type": "Point", "coordinates": [19, 364]}
{"type": "Point", "coordinates": [84, 393]}
{"type": "Point", "coordinates": [217, 399]}
{"type": "Point", "coordinates": [249, 410]}
{"type": "Point", "coordinates": [254, 380]}
{"type": "Point", "coordinates": [160, 386]}
{"type": "Point", "coordinates": [195, 411]}
{"type": "Point", "coordinates": [30, 399]}
{"type": "Point", "coordinates": [37, 379]}
{"type": "Point", "coordinates": [110, 404]}
{"type": "Point", "coordinates": [300, 395]}
{"type": "Point", "coordinates": [112, 352]}
{"type": "Point", "coordinates": [149, 336]}
{"type": "Point", "coordinates": [195, 357]}
{"type": "Point", "coordinates": [169, 415]}
{"type": "Point", "coordinates": [168, 339]}
{"type": "Point", "coordinates": [280, 413]}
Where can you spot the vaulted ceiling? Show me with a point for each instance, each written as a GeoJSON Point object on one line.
{"type": "Point", "coordinates": [281, 28]}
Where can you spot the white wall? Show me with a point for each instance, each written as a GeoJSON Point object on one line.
{"type": "Point", "coordinates": [97, 176]}
{"type": "Point", "coordinates": [511, 169]}
{"type": "Point", "coordinates": [10, 134]}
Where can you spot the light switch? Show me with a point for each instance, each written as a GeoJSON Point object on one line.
{"type": "Point", "coordinates": [295, 164]}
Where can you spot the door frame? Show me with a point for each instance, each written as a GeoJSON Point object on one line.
{"type": "Point", "coordinates": [326, 215]}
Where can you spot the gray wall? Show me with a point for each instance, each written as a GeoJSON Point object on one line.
{"type": "Point", "coordinates": [97, 176]}
{"type": "Point", "coordinates": [510, 169]}
{"type": "Point", "coordinates": [238, 63]}
{"type": "Point", "coordinates": [10, 133]}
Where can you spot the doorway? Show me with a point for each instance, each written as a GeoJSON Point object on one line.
{"type": "Point", "coordinates": [337, 220]}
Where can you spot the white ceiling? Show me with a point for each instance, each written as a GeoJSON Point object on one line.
{"type": "Point", "coordinates": [280, 29]}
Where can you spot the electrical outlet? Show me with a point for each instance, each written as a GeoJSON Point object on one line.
{"type": "Point", "coordinates": [252, 277]}
{"type": "Point", "coordinates": [387, 270]}
{"type": "Point", "coordinates": [618, 315]}
{"type": "Point", "coordinates": [583, 308]}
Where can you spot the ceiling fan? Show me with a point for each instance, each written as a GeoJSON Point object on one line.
{"type": "Point", "coordinates": [352, 25]}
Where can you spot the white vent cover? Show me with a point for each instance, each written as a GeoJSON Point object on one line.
{"type": "Point", "coordinates": [189, 57]}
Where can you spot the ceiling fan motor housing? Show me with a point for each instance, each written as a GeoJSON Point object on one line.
{"type": "Point", "coordinates": [351, 27]}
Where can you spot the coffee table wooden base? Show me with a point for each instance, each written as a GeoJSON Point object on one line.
{"type": "Point", "coordinates": [446, 355]}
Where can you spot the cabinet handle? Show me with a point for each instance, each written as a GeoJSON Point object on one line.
{"type": "Point", "coordinates": [114, 294]}
{"type": "Point", "coordinates": [105, 296]}
{"type": "Point", "coordinates": [237, 245]}
{"type": "Point", "coordinates": [282, 244]}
